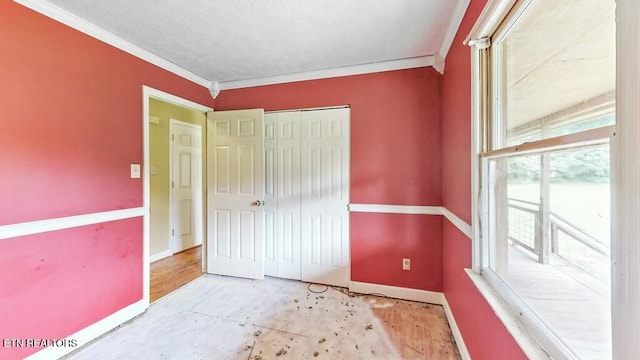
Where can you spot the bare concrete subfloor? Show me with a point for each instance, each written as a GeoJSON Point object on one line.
{"type": "Point", "coordinates": [216, 317]}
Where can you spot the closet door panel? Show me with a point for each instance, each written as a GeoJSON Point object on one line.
{"type": "Point", "coordinates": [288, 190]}
{"type": "Point", "coordinates": [325, 196]}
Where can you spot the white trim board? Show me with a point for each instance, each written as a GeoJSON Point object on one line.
{"type": "Point", "coordinates": [40, 226]}
{"type": "Point", "coordinates": [396, 292]}
{"type": "Point", "coordinates": [625, 185]}
{"type": "Point", "coordinates": [92, 332]}
{"type": "Point", "coordinates": [409, 63]}
{"type": "Point", "coordinates": [54, 12]}
{"type": "Point", "coordinates": [159, 256]}
{"type": "Point", "coordinates": [417, 210]}
{"type": "Point", "coordinates": [396, 209]}
{"type": "Point", "coordinates": [455, 331]}
{"type": "Point", "coordinates": [148, 93]}
{"type": "Point", "coordinates": [459, 223]}
{"type": "Point", "coordinates": [452, 30]}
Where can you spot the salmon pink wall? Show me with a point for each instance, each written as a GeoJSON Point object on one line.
{"type": "Point", "coordinates": [70, 125]}
{"type": "Point", "coordinates": [378, 259]}
{"type": "Point", "coordinates": [395, 159]}
{"type": "Point", "coordinates": [394, 128]}
{"type": "Point", "coordinates": [56, 283]}
{"type": "Point", "coordinates": [70, 119]}
{"type": "Point", "coordinates": [483, 333]}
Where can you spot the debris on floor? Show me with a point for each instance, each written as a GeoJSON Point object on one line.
{"type": "Point", "coordinates": [286, 324]}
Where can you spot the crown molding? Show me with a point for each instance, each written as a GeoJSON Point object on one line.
{"type": "Point", "coordinates": [438, 63]}
{"type": "Point", "coordinates": [454, 25]}
{"type": "Point", "coordinates": [409, 63]}
{"type": "Point", "coordinates": [436, 60]}
{"type": "Point", "coordinates": [214, 89]}
{"type": "Point", "coordinates": [56, 13]}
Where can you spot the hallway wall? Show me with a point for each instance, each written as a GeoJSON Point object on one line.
{"type": "Point", "coordinates": [159, 148]}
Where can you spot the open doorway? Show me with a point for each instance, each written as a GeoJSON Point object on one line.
{"type": "Point", "coordinates": [174, 193]}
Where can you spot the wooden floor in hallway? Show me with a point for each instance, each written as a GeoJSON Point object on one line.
{"type": "Point", "coordinates": [173, 272]}
{"type": "Point", "coordinates": [217, 317]}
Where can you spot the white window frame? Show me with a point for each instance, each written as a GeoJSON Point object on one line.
{"type": "Point", "coordinates": [625, 183]}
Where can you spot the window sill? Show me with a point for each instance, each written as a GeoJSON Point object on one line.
{"type": "Point", "coordinates": [521, 335]}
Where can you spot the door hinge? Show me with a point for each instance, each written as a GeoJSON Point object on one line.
{"type": "Point", "coordinates": [173, 137]}
{"type": "Point", "coordinates": [173, 232]}
{"type": "Point", "coordinates": [172, 185]}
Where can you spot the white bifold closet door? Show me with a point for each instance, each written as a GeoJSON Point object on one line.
{"type": "Point", "coordinates": [307, 195]}
{"type": "Point", "coordinates": [282, 194]}
{"type": "Point", "coordinates": [324, 172]}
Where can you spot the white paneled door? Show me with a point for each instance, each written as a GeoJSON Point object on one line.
{"type": "Point", "coordinates": [325, 196]}
{"type": "Point", "coordinates": [186, 185]}
{"type": "Point", "coordinates": [282, 194]}
{"type": "Point", "coordinates": [235, 193]}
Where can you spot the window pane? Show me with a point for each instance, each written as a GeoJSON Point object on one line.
{"type": "Point", "coordinates": [557, 68]}
{"type": "Point", "coordinates": [552, 246]}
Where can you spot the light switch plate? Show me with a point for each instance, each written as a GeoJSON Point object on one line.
{"type": "Point", "coordinates": [154, 170]}
{"type": "Point", "coordinates": [135, 171]}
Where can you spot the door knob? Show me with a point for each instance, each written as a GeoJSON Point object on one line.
{"type": "Point", "coordinates": [257, 203]}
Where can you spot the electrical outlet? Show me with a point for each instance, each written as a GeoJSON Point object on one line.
{"type": "Point", "coordinates": [406, 264]}
{"type": "Point", "coordinates": [135, 171]}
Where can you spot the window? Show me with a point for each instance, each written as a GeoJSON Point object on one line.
{"type": "Point", "coordinates": [546, 108]}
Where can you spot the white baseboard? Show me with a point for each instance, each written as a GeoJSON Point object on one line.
{"type": "Point", "coordinates": [431, 297]}
{"type": "Point", "coordinates": [93, 331]}
{"type": "Point", "coordinates": [159, 256]}
{"type": "Point", "coordinates": [457, 335]}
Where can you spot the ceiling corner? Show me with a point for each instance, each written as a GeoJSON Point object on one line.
{"type": "Point", "coordinates": [62, 16]}
{"type": "Point", "coordinates": [438, 63]}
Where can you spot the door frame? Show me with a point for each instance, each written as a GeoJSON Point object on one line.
{"type": "Point", "coordinates": [149, 93]}
{"type": "Point", "coordinates": [199, 227]}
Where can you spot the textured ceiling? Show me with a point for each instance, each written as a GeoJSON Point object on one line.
{"type": "Point", "coordinates": [230, 40]}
